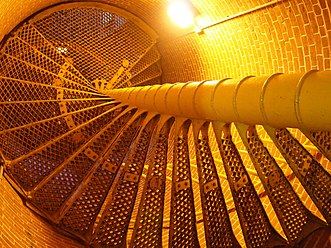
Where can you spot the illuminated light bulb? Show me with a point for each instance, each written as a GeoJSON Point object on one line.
{"type": "Point", "coordinates": [181, 13]}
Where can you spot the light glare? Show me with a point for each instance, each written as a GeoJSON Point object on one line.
{"type": "Point", "coordinates": [181, 13]}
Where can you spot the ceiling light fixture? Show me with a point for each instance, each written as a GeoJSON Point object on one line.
{"type": "Point", "coordinates": [182, 13]}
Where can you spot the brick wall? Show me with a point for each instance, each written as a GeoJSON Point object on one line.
{"type": "Point", "coordinates": [291, 36]}
{"type": "Point", "coordinates": [19, 227]}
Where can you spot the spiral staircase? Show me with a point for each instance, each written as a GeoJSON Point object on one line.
{"type": "Point", "coordinates": [94, 144]}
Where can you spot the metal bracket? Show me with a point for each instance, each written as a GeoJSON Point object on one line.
{"type": "Point", "coordinates": [57, 82]}
{"type": "Point", "coordinates": [131, 177]}
{"type": "Point", "coordinates": [240, 183]}
{"type": "Point", "coordinates": [305, 167]}
{"type": "Point", "coordinates": [155, 182]}
{"type": "Point", "coordinates": [1, 171]}
{"type": "Point", "coordinates": [125, 65]}
{"type": "Point", "coordinates": [185, 184]}
{"type": "Point", "coordinates": [60, 94]}
{"type": "Point", "coordinates": [63, 69]}
{"type": "Point", "coordinates": [77, 136]}
{"type": "Point", "coordinates": [274, 178]}
{"type": "Point", "coordinates": [100, 84]}
{"type": "Point", "coordinates": [109, 167]}
{"type": "Point", "coordinates": [91, 154]}
{"type": "Point", "coordinates": [70, 121]}
{"type": "Point", "coordinates": [210, 186]}
{"type": "Point", "coordinates": [63, 109]}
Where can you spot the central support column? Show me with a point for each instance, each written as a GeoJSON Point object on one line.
{"type": "Point", "coordinates": [281, 100]}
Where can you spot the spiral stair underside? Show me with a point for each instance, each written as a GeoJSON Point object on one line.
{"type": "Point", "coordinates": [111, 173]}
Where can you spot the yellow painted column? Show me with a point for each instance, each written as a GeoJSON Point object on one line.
{"type": "Point", "coordinates": [281, 100]}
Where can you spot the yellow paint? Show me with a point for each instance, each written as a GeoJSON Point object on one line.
{"type": "Point", "coordinates": [281, 100]}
